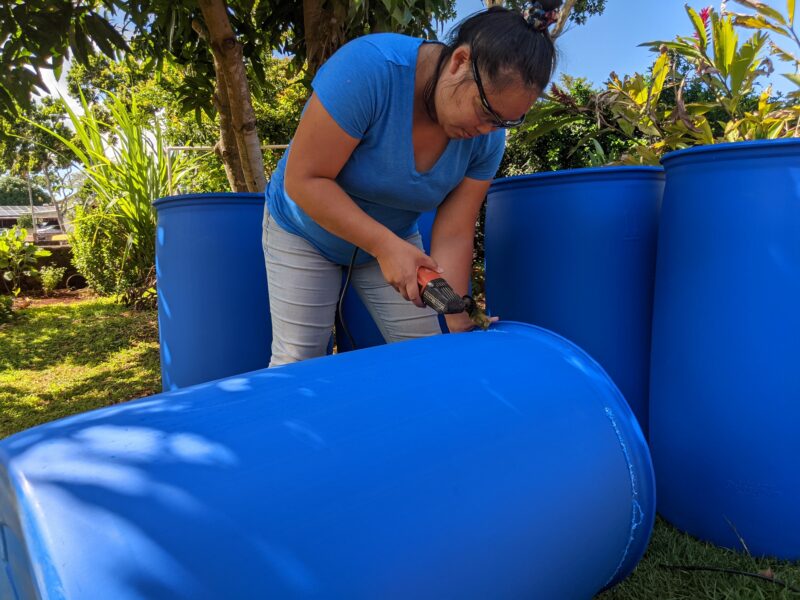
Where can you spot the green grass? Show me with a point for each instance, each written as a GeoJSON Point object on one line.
{"type": "Point", "coordinates": [668, 546]}
{"type": "Point", "coordinates": [63, 359]}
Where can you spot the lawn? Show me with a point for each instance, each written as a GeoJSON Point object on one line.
{"type": "Point", "coordinates": [61, 359]}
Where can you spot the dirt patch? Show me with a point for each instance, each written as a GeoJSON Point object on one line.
{"type": "Point", "coordinates": [57, 297]}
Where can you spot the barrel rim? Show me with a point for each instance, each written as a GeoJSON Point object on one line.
{"type": "Point", "coordinates": [210, 198]}
{"type": "Point", "coordinates": [637, 455]}
{"type": "Point", "coordinates": [611, 172]}
{"type": "Point", "coordinates": [743, 147]}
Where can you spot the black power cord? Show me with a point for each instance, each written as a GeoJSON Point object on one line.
{"type": "Point", "coordinates": [341, 299]}
{"type": "Point", "coordinates": [732, 572]}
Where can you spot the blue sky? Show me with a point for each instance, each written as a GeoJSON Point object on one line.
{"type": "Point", "coordinates": [609, 42]}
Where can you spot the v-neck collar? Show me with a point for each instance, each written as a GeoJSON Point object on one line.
{"type": "Point", "coordinates": [410, 119]}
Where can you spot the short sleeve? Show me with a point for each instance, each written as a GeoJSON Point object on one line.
{"type": "Point", "coordinates": [486, 156]}
{"type": "Point", "coordinates": [350, 83]}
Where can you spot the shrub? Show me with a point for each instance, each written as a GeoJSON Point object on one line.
{"type": "Point", "coordinates": [25, 222]}
{"type": "Point", "coordinates": [6, 314]}
{"type": "Point", "coordinates": [51, 277]}
{"type": "Point", "coordinates": [18, 258]}
{"type": "Point", "coordinates": [726, 71]}
{"type": "Point", "coordinates": [125, 165]}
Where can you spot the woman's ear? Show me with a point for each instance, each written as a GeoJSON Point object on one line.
{"type": "Point", "coordinates": [459, 60]}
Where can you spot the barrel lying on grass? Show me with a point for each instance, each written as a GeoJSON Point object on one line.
{"type": "Point", "coordinates": [496, 464]}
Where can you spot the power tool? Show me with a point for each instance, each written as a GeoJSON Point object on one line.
{"type": "Point", "coordinates": [441, 297]}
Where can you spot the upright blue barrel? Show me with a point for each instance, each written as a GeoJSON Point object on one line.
{"type": "Point", "coordinates": [213, 308]}
{"type": "Point", "coordinates": [575, 252]}
{"type": "Point", "coordinates": [495, 464]}
{"type": "Point", "coordinates": [725, 386]}
{"type": "Point", "coordinates": [360, 324]}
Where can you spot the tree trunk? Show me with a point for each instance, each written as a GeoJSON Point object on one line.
{"type": "Point", "coordinates": [224, 44]}
{"type": "Point", "coordinates": [226, 147]}
{"type": "Point", "coordinates": [324, 31]}
{"type": "Point", "coordinates": [53, 199]}
{"type": "Point", "coordinates": [30, 201]}
{"type": "Point", "coordinates": [566, 9]}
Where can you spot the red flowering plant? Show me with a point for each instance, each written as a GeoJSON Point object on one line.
{"type": "Point", "coordinates": [651, 111]}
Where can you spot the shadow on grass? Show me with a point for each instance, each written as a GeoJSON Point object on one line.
{"type": "Point", "coordinates": [82, 333]}
{"type": "Point", "coordinates": [22, 408]}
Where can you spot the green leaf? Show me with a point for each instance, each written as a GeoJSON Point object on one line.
{"type": "Point", "coordinates": [397, 14]}
{"type": "Point", "coordinates": [638, 90]}
{"type": "Point", "coordinates": [793, 77]}
{"type": "Point", "coordinates": [681, 48]}
{"type": "Point", "coordinates": [707, 135]}
{"type": "Point", "coordinates": [699, 27]}
{"type": "Point", "coordinates": [627, 128]}
{"type": "Point", "coordinates": [98, 34]}
{"type": "Point", "coordinates": [783, 54]}
{"type": "Point", "coordinates": [790, 5]}
{"type": "Point", "coordinates": [79, 44]}
{"type": "Point", "coordinates": [660, 72]}
{"type": "Point", "coordinates": [742, 70]}
{"type": "Point", "coordinates": [763, 9]}
{"type": "Point", "coordinates": [701, 108]}
{"type": "Point", "coordinates": [725, 41]}
{"type": "Point", "coordinates": [545, 128]}
{"type": "Point", "coordinates": [757, 22]}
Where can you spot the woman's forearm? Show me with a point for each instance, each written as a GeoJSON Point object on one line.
{"type": "Point", "coordinates": [454, 255]}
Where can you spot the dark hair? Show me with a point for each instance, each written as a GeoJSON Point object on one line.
{"type": "Point", "coordinates": [505, 47]}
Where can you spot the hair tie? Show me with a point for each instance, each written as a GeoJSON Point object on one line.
{"type": "Point", "coordinates": [539, 18]}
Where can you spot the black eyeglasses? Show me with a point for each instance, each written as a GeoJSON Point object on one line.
{"type": "Point", "coordinates": [497, 120]}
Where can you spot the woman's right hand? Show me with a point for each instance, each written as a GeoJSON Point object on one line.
{"type": "Point", "coordinates": [399, 261]}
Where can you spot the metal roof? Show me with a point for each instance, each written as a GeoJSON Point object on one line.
{"type": "Point", "coordinates": [47, 211]}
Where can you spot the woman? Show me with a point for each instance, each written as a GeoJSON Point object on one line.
{"type": "Point", "coordinates": [395, 127]}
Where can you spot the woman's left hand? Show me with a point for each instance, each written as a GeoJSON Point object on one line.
{"type": "Point", "coordinates": [461, 322]}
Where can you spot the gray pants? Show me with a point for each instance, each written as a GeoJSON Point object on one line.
{"type": "Point", "coordinates": [304, 290]}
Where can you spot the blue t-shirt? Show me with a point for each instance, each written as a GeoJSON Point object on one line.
{"type": "Point", "coordinates": [367, 87]}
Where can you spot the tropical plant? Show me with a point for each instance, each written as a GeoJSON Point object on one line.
{"type": "Point", "coordinates": [277, 109]}
{"type": "Point", "coordinates": [557, 143]}
{"type": "Point", "coordinates": [51, 277]}
{"type": "Point", "coordinates": [767, 18]}
{"type": "Point", "coordinates": [18, 258]}
{"type": "Point", "coordinates": [125, 170]}
{"type": "Point", "coordinates": [633, 107]}
{"type": "Point", "coordinates": [730, 70]}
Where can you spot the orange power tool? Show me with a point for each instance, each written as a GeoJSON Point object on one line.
{"type": "Point", "coordinates": [441, 297]}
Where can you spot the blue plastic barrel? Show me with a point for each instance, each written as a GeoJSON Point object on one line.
{"type": "Point", "coordinates": [574, 252]}
{"type": "Point", "coordinates": [500, 464]}
{"type": "Point", "coordinates": [213, 308]}
{"type": "Point", "coordinates": [725, 387]}
{"type": "Point", "coordinates": [359, 322]}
